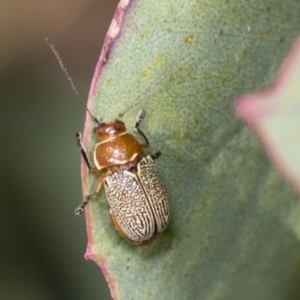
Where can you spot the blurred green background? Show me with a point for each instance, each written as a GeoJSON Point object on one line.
{"type": "Point", "coordinates": [42, 242]}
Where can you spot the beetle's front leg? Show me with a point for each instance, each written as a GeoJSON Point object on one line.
{"type": "Point", "coordinates": [79, 210]}
{"type": "Point", "coordinates": [137, 123]}
{"type": "Point", "coordinates": [83, 152]}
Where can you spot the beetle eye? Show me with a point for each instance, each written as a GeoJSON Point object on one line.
{"type": "Point", "coordinates": [100, 125]}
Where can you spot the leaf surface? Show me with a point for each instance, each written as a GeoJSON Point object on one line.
{"type": "Point", "coordinates": [234, 232]}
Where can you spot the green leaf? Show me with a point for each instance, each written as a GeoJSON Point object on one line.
{"type": "Point", "coordinates": [234, 232]}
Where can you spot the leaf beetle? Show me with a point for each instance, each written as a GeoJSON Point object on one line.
{"type": "Point", "coordinates": [139, 205]}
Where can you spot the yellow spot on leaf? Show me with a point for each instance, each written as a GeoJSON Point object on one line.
{"type": "Point", "coordinates": [145, 74]}
{"type": "Point", "coordinates": [189, 39]}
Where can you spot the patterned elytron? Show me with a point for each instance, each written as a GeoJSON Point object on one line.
{"type": "Point", "coordinates": [138, 201]}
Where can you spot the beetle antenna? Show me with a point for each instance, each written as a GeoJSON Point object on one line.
{"type": "Point", "coordinates": [155, 86]}
{"type": "Point", "coordinates": [69, 79]}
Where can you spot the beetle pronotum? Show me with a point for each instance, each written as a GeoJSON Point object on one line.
{"type": "Point", "coordinates": [139, 204]}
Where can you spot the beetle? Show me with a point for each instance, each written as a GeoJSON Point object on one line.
{"type": "Point", "coordinates": [139, 205]}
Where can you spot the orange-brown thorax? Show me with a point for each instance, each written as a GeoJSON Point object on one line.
{"type": "Point", "coordinates": [116, 146]}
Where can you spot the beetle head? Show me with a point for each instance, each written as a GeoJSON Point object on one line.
{"type": "Point", "coordinates": [105, 131]}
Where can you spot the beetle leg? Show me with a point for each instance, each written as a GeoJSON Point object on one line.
{"type": "Point", "coordinates": [79, 210]}
{"type": "Point", "coordinates": [156, 154]}
{"type": "Point", "coordinates": [83, 152]}
{"type": "Point", "coordinates": [137, 123]}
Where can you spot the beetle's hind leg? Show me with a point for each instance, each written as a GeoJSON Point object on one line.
{"type": "Point", "coordinates": [79, 210]}
{"type": "Point", "coordinates": [137, 123]}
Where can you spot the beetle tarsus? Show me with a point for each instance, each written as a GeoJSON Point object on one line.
{"type": "Point", "coordinates": [140, 117]}
{"type": "Point", "coordinates": [156, 154]}
{"type": "Point", "coordinates": [137, 123]}
{"type": "Point", "coordinates": [80, 209]}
